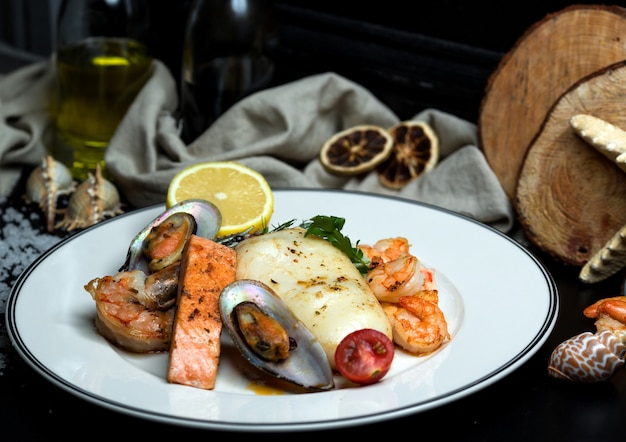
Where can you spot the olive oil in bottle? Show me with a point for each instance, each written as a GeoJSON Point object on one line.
{"type": "Point", "coordinates": [228, 54]}
{"type": "Point", "coordinates": [98, 80]}
{"type": "Point", "coordinates": [102, 64]}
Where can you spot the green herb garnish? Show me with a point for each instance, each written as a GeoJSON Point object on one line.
{"type": "Point", "coordinates": [329, 228]}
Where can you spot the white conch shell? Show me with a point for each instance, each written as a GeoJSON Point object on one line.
{"type": "Point", "coordinates": [94, 199]}
{"type": "Point", "coordinates": [609, 140]}
{"type": "Point", "coordinates": [607, 261]}
{"type": "Point", "coordinates": [588, 357]}
{"type": "Point", "coordinates": [45, 184]}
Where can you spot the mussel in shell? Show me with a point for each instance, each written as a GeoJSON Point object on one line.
{"type": "Point", "coordinates": [271, 337]}
{"type": "Point", "coordinates": [164, 244]}
{"type": "Point", "coordinates": [264, 335]}
{"type": "Point", "coordinates": [161, 242]}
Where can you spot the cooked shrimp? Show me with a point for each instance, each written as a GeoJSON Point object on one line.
{"type": "Point", "coordinates": [404, 276]}
{"type": "Point", "coordinates": [399, 277]}
{"type": "Point", "coordinates": [418, 325]}
{"type": "Point", "coordinates": [394, 272]}
{"type": "Point", "coordinates": [123, 316]}
{"type": "Point", "coordinates": [386, 250]}
{"type": "Point", "coordinates": [610, 313]}
{"type": "Point", "coordinates": [429, 295]}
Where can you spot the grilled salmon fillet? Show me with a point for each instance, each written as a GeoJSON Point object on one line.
{"type": "Point", "coordinates": [206, 268]}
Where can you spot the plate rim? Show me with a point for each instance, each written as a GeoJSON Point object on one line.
{"type": "Point", "coordinates": [494, 375]}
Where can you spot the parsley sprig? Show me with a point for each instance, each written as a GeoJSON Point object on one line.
{"type": "Point", "coordinates": [329, 228]}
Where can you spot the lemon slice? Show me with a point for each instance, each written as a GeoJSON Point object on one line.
{"type": "Point", "coordinates": [242, 195]}
{"type": "Point", "coordinates": [415, 152]}
{"type": "Point", "coordinates": [356, 150]}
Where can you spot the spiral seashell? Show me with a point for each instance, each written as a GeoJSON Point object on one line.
{"type": "Point", "coordinates": [94, 199]}
{"type": "Point", "coordinates": [45, 184]}
{"type": "Point", "coordinates": [588, 357]}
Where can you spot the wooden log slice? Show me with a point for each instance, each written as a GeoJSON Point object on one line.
{"type": "Point", "coordinates": [571, 198]}
{"type": "Point", "coordinates": [549, 58]}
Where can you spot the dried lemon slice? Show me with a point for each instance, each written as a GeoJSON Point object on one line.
{"type": "Point", "coordinates": [356, 150]}
{"type": "Point", "coordinates": [415, 152]}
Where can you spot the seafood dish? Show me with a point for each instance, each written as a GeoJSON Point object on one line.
{"type": "Point", "coordinates": [55, 335]}
{"type": "Point", "coordinates": [287, 299]}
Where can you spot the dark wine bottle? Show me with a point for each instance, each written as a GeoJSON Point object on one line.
{"type": "Point", "coordinates": [228, 54]}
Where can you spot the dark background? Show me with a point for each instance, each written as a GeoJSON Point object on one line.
{"type": "Point", "coordinates": [411, 55]}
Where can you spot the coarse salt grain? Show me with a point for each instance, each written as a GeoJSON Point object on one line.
{"type": "Point", "coordinates": [20, 245]}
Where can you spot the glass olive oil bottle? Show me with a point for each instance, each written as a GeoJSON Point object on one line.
{"type": "Point", "coordinates": [102, 64]}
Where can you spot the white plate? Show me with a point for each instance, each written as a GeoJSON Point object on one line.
{"type": "Point", "coordinates": [500, 303]}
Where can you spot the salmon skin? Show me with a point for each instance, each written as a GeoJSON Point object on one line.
{"type": "Point", "coordinates": [206, 268]}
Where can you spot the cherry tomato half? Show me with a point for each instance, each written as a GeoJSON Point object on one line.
{"type": "Point", "coordinates": [364, 356]}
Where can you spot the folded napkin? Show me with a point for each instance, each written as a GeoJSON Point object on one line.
{"type": "Point", "coordinates": [277, 132]}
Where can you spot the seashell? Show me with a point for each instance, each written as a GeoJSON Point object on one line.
{"type": "Point", "coordinates": [605, 137]}
{"type": "Point", "coordinates": [94, 200]}
{"type": "Point", "coordinates": [610, 141]}
{"type": "Point", "coordinates": [607, 261]}
{"type": "Point", "coordinates": [206, 218]}
{"type": "Point", "coordinates": [254, 316]}
{"type": "Point", "coordinates": [45, 184]}
{"type": "Point", "coordinates": [588, 357]}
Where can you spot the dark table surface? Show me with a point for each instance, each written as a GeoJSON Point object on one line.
{"type": "Point", "coordinates": [526, 405]}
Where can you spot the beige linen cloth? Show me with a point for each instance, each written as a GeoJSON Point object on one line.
{"type": "Point", "coordinates": [277, 132]}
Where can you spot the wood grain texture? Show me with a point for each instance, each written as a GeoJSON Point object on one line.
{"type": "Point", "coordinates": [549, 58]}
{"type": "Point", "coordinates": [571, 199]}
